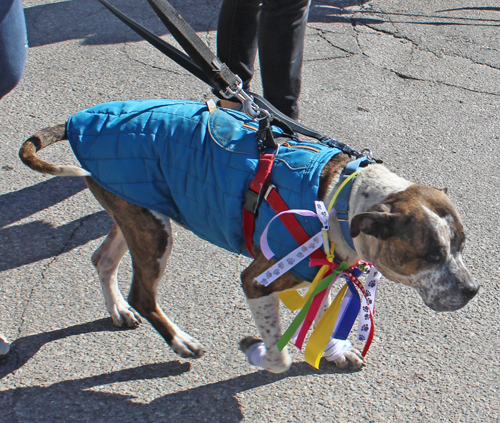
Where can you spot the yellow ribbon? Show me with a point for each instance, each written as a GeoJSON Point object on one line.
{"type": "Point", "coordinates": [321, 335]}
{"type": "Point", "coordinates": [342, 185]}
{"type": "Point", "coordinates": [293, 300]}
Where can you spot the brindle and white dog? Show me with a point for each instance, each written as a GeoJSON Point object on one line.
{"type": "Point", "coordinates": [412, 234]}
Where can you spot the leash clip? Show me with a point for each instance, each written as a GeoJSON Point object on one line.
{"type": "Point", "coordinates": [249, 105]}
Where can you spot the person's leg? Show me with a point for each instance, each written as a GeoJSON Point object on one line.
{"type": "Point", "coordinates": [282, 27]}
{"type": "Point", "coordinates": [237, 37]}
{"type": "Point", "coordinates": [13, 44]}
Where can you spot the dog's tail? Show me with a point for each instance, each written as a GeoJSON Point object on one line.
{"type": "Point", "coordinates": [42, 139]}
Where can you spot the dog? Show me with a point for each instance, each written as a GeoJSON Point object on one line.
{"type": "Point", "coordinates": [413, 234]}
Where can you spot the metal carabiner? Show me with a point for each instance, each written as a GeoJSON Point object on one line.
{"type": "Point", "coordinates": [249, 106]}
{"type": "Point", "coordinates": [367, 153]}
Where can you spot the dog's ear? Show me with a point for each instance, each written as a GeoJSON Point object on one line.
{"type": "Point", "coordinates": [378, 224]}
{"type": "Point", "coordinates": [445, 190]}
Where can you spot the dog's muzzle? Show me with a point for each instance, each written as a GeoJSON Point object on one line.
{"type": "Point", "coordinates": [448, 290]}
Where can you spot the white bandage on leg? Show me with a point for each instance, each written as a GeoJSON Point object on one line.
{"type": "Point", "coordinates": [4, 345]}
{"type": "Point", "coordinates": [335, 348]}
{"type": "Point", "coordinates": [256, 354]}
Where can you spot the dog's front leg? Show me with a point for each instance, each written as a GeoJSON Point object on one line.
{"type": "Point", "coordinates": [265, 353]}
{"type": "Point", "coordinates": [264, 305]}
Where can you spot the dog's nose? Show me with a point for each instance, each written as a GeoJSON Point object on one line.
{"type": "Point", "coordinates": [470, 290]}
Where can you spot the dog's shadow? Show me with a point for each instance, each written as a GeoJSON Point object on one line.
{"type": "Point", "coordinates": [79, 399]}
{"type": "Point", "coordinates": [26, 243]}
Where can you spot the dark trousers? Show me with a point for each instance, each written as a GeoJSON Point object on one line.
{"type": "Point", "coordinates": [13, 44]}
{"type": "Point", "coordinates": [276, 28]}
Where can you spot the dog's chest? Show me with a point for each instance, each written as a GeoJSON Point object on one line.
{"type": "Point", "coordinates": [195, 166]}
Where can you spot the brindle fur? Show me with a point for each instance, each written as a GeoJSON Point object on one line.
{"type": "Point", "coordinates": [412, 233]}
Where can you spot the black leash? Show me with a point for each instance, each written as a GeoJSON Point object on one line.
{"type": "Point", "coordinates": [203, 64]}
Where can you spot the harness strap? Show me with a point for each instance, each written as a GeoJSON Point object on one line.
{"type": "Point", "coordinates": [289, 220]}
{"type": "Point", "coordinates": [253, 198]}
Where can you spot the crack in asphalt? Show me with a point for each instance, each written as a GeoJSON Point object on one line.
{"type": "Point", "coordinates": [322, 32]}
{"type": "Point", "coordinates": [356, 22]}
{"type": "Point", "coordinates": [150, 65]}
{"type": "Point", "coordinates": [439, 56]}
{"type": "Point", "coordinates": [43, 278]}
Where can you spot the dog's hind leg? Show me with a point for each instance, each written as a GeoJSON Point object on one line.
{"type": "Point", "coordinates": [149, 239]}
{"type": "Point", "coordinates": [106, 260]}
{"type": "Point", "coordinates": [150, 249]}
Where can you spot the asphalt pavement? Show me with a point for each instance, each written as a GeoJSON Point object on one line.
{"type": "Point", "coordinates": [417, 82]}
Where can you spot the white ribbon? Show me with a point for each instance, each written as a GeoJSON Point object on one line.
{"type": "Point", "coordinates": [300, 253]}
{"type": "Point", "coordinates": [335, 348]}
{"type": "Point", "coordinates": [290, 260]}
{"type": "Point", "coordinates": [364, 314]}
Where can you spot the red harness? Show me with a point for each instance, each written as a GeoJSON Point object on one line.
{"type": "Point", "coordinates": [256, 193]}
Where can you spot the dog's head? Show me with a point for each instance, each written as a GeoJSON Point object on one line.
{"type": "Point", "coordinates": [416, 237]}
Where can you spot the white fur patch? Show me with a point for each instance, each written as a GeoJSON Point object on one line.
{"type": "Point", "coordinates": [442, 226]}
{"type": "Point", "coordinates": [265, 311]}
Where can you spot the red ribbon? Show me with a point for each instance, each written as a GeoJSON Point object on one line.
{"type": "Point", "coordinates": [323, 262]}
{"type": "Point", "coordinates": [316, 302]}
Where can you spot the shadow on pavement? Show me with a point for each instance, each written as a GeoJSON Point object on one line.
{"type": "Point", "coordinates": [79, 401]}
{"type": "Point", "coordinates": [38, 240]}
{"type": "Point", "coordinates": [89, 21]}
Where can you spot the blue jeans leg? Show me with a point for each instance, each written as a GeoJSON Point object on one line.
{"type": "Point", "coordinates": [13, 44]}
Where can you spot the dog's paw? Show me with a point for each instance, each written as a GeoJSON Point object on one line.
{"type": "Point", "coordinates": [247, 342]}
{"type": "Point", "coordinates": [186, 346]}
{"type": "Point", "coordinates": [273, 361]}
{"type": "Point", "coordinates": [350, 360]}
{"type": "Point", "coordinates": [124, 316]}
{"type": "Point", "coordinates": [344, 355]}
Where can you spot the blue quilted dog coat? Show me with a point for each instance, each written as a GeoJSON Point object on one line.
{"type": "Point", "coordinates": [195, 166]}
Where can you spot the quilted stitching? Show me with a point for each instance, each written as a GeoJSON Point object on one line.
{"type": "Point", "coordinates": [177, 158]}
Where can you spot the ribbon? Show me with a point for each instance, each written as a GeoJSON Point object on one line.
{"type": "Point", "coordinates": [290, 260]}
{"type": "Point", "coordinates": [328, 265]}
{"type": "Point", "coordinates": [321, 335]}
{"type": "Point", "coordinates": [264, 245]}
{"type": "Point", "coordinates": [293, 300]}
{"type": "Point", "coordinates": [316, 304]}
{"type": "Point", "coordinates": [301, 252]}
{"type": "Point", "coordinates": [349, 310]}
{"type": "Point", "coordinates": [322, 285]}
{"type": "Point", "coordinates": [372, 327]}
{"type": "Point", "coordinates": [368, 302]}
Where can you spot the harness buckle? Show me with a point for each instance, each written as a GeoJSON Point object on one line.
{"type": "Point", "coordinates": [268, 191]}
{"type": "Point", "coordinates": [252, 201]}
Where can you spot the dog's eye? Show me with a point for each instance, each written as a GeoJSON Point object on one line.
{"type": "Point", "coordinates": [434, 257]}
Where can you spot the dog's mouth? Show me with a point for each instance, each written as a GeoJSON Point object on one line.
{"type": "Point", "coordinates": [443, 299]}
{"type": "Point", "coordinates": [438, 293]}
